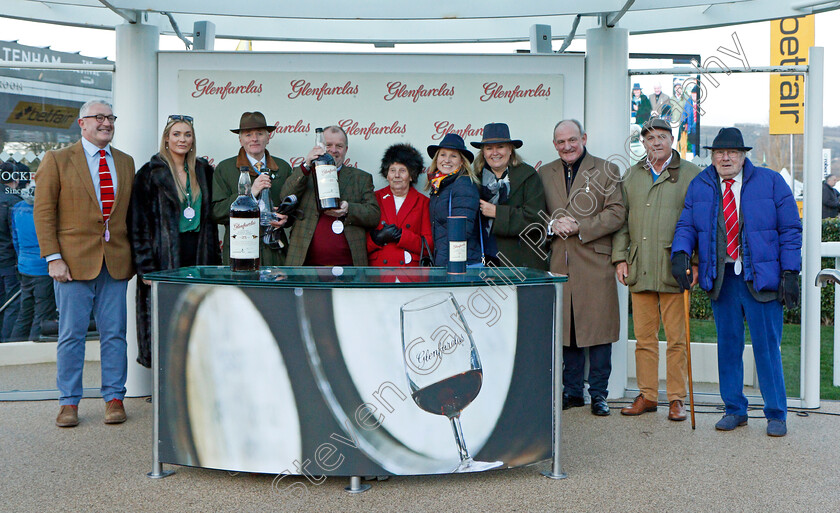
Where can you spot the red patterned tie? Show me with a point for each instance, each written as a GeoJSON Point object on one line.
{"type": "Point", "coordinates": [106, 186]}
{"type": "Point", "coordinates": [730, 214]}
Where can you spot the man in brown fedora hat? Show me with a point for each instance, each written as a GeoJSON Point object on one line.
{"type": "Point", "coordinates": [267, 172]}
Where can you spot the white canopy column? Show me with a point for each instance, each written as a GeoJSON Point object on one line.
{"type": "Point", "coordinates": [812, 230]}
{"type": "Point", "coordinates": [137, 133]}
{"type": "Point", "coordinates": [606, 107]}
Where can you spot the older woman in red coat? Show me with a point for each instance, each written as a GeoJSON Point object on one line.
{"type": "Point", "coordinates": [398, 238]}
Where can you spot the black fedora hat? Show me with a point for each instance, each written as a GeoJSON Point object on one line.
{"type": "Point", "coordinates": [496, 133]}
{"type": "Point", "coordinates": [728, 139]}
{"type": "Point", "coordinates": [251, 121]}
{"type": "Point", "coordinates": [451, 141]}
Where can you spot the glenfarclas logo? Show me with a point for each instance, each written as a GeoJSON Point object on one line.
{"type": "Point", "coordinates": [353, 128]}
{"type": "Point", "coordinates": [205, 86]}
{"type": "Point", "coordinates": [298, 128]}
{"type": "Point", "coordinates": [400, 90]}
{"type": "Point", "coordinates": [446, 127]}
{"type": "Point", "coordinates": [241, 225]}
{"type": "Point", "coordinates": [296, 161]}
{"type": "Point", "coordinates": [496, 91]}
{"type": "Point", "coordinates": [304, 88]}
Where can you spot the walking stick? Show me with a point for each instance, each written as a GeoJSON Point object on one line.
{"type": "Point", "coordinates": [9, 302]}
{"type": "Point", "coordinates": [687, 304]}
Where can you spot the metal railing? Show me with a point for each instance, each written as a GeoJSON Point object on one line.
{"type": "Point", "coordinates": [832, 250]}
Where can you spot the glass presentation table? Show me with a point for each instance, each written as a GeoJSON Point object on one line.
{"type": "Point", "coordinates": [356, 371]}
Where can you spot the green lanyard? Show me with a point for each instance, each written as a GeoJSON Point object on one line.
{"type": "Point", "coordinates": [189, 211]}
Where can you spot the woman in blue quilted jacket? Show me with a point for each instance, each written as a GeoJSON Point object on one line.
{"type": "Point", "coordinates": [453, 187]}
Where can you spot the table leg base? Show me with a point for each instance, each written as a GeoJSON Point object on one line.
{"type": "Point", "coordinates": [159, 475]}
{"type": "Point", "coordinates": [552, 475]}
{"type": "Point", "coordinates": [356, 485]}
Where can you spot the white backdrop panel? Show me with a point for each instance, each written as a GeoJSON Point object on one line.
{"type": "Point", "coordinates": [379, 99]}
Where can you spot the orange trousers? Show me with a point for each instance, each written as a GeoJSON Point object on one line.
{"type": "Point", "coordinates": [648, 307]}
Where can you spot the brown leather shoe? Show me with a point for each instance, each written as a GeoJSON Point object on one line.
{"type": "Point", "coordinates": [639, 406]}
{"type": "Point", "coordinates": [68, 416]}
{"type": "Point", "coordinates": [114, 412]}
{"type": "Point", "coordinates": [676, 411]}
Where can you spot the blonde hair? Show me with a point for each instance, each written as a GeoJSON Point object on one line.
{"type": "Point", "coordinates": [465, 166]}
{"type": "Point", "coordinates": [167, 156]}
{"type": "Point", "coordinates": [480, 162]}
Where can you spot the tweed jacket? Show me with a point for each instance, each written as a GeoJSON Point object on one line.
{"type": "Point", "coordinates": [653, 208]}
{"type": "Point", "coordinates": [68, 219]}
{"type": "Point", "coordinates": [226, 190]}
{"type": "Point", "coordinates": [526, 200]}
{"type": "Point", "coordinates": [356, 188]}
{"type": "Point", "coordinates": [595, 203]}
{"type": "Point", "coordinates": [656, 104]}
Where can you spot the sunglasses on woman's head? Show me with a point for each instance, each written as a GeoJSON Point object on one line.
{"type": "Point", "coordinates": [181, 117]}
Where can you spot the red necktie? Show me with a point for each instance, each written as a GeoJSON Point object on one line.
{"type": "Point", "coordinates": [106, 186]}
{"type": "Point", "coordinates": [730, 214]}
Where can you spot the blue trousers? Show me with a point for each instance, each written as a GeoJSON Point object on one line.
{"type": "Point", "coordinates": [105, 297]}
{"type": "Point", "coordinates": [765, 321]}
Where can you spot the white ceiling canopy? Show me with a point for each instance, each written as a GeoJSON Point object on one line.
{"type": "Point", "coordinates": [387, 22]}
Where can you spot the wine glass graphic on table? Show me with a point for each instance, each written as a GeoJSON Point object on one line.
{"type": "Point", "coordinates": [441, 364]}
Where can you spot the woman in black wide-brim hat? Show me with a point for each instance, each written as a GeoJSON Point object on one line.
{"type": "Point", "coordinates": [453, 188]}
{"type": "Point", "coordinates": [512, 197]}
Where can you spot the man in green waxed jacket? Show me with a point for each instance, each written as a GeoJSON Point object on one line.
{"type": "Point", "coordinates": [265, 171]}
{"type": "Point", "coordinates": [654, 193]}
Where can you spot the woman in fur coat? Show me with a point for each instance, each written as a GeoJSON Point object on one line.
{"type": "Point", "coordinates": [169, 218]}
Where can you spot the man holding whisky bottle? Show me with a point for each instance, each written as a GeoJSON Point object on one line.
{"type": "Point", "coordinates": [334, 237]}
{"type": "Point", "coordinates": [266, 172]}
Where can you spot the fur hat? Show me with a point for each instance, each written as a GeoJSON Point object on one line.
{"type": "Point", "coordinates": [406, 155]}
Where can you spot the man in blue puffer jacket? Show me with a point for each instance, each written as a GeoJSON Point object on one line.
{"type": "Point", "coordinates": [745, 226]}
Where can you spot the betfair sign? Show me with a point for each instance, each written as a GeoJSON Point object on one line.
{"type": "Point", "coordinates": [790, 39]}
{"type": "Point", "coordinates": [43, 114]}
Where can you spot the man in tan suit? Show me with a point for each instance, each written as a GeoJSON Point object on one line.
{"type": "Point", "coordinates": [81, 201]}
{"type": "Point", "coordinates": [584, 199]}
{"type": "Point", "coordinates": [659, 103]}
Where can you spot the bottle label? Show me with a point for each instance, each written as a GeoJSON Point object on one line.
{"type": "Point", "coordinates": [327, 177]}
{"type": "Point", "coordinates": [457, 251]}
{"type": "Point", "coordinates": [245, 237]}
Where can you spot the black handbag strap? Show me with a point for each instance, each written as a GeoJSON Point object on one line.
{"type": "Point", "coordinates": [425, 251]}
